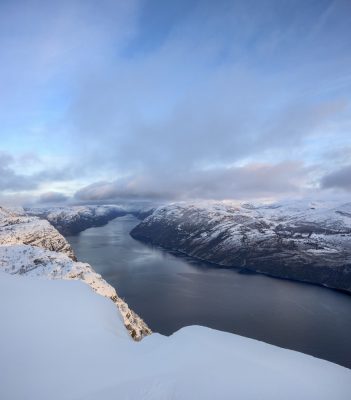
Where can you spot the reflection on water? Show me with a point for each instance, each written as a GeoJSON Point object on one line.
{"type": "Point", "coordinates": [170, 292]}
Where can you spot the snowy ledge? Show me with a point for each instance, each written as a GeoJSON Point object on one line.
{"type": "Point", "coordinates": [59, 340]}
{"type": "Point", "coordinates": [32, 247]}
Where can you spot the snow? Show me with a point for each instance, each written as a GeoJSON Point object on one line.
{"type": "Point", "coordinates": [322, 226]}
{"type": "Point", "coordinates": [33, 261]}
{"type": "Point", "coordinates": [32, 247]}
{"type": "Point", "coordinates": [67, 214]}
{"type": "Point", "coordinates": [19, 228]}
{"type": "Point", "coordinates": [59, 340]}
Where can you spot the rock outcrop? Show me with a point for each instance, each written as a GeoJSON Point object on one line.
{"type": "Point", "coordinates": [18, 228]}
{"type": "Point", "coordinates": [32, 247]}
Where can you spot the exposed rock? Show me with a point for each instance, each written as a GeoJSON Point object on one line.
{"type": "Point", "coordinates": [17, 228]}
{"type": "Point", "coordinates": [32, 247]}
{"type": "Point", "coordinates": [74, 219]}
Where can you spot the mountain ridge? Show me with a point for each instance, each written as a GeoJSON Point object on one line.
{"type": "Point", "coordinates": [304, 242]}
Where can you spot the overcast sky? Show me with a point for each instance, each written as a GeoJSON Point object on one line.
{"type": "Point", "coordinates": [171, 100]}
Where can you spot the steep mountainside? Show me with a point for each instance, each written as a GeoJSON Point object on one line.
{"type": "Point", "coordinates": [33, 247]}
{"type": "Point", "coordinates": [18, 228]}
{"type": "Point", "coordinates": [74, 219]}
{"type": "Point", "coordinates": [310, 243]}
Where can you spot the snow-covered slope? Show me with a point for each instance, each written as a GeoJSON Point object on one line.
{"type": "Point", "coordinates": [308, 242]}
{"type": "Point", "coordinates": [74, 219]}
{"type": "Point", "coordinates": [32, 247]}
{"type": "Point", "coordinates": [60, 341]}
{"type": "Point", "coordinates": [18, 228]}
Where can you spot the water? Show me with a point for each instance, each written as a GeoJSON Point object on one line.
{"type": "Point", "coordinates": [169, 291]}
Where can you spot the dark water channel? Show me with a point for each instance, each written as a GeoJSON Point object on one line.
{"type": "Point", "coordinates": [169, 292]}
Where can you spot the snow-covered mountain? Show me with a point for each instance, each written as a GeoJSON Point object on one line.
{"type": "Point", "coordinates": [32, 247]}
{"type": "Point", "coordinates": [18, 228]}
{"type": "Point", "coordinates": [73, 219]}
{"type": "Point", "coordinates": [307, 242]}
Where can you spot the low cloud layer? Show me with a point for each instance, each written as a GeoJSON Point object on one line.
{"type": "Point", "coordinates": [52, 197]}
{"type": "Point", "coordinates": [251, 181]}
{"type": "Point", "coordinates": [339, 179]}
{"type": "Point", "coordinates": [18, 188]}
{"type": "Point", "coordinates": [9, 179]}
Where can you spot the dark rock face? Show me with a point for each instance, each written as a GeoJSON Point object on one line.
{"type": "Point", "coordinates": [72, 220]}
{"type": "Point", "coordinates": [142, 214]}
{"type": "Point", "coordinates": [68, 224]}
{"type": "Point", "coordinates": [305, 243]}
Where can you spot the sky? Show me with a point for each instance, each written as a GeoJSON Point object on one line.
{"type": "Point", "coordinates": [110, 100]}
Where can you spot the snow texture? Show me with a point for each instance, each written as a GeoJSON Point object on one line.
{"type": "Point", "coordinates": [26, 248]}
{"type": "Point", "coordinates": [303, 241]}
{"type": "Point", "coordinates": [73, 219]}
{"type": "Point", "coordinates": [18, 228]}
{"type": "Point", "coordinates": [60, 341]}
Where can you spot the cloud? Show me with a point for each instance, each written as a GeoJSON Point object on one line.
{"type": "Point", "coordinates": [13, 181]}
{"type": "Point", "coordinates": [222, 115]}
{"type": "Point", "coordinates": [172, 97]}
{"type": "Point", "coordinates": [339, 179]}
{"type": "Point", "coordinates": [9, 179]}
{"type": "Point", "coordinates": [53, 197]}
{"type": "Point", "coordinates": [250, 181]}
{"type": "Point", "coordinates": [45, 47]}
{"type": "Point", "coordinates": [227, 104]}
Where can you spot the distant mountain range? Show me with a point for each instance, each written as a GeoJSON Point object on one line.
{"type": "Point", "coordinates": [74, 219]}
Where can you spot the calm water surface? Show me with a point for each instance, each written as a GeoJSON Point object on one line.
{"type": "Point", "coordinates": [169, 292]}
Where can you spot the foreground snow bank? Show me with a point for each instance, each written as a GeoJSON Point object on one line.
{"type": "Point", "coordinates": [32, 247]}
{"type": "Point", "coordinates": [37, 262]}
{"type": "Point", "coordinates": [59, 340]}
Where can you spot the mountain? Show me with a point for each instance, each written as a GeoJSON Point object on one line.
{"type": "Point", "coordinates": [74, 219]}
{"type": "Point", "coordinates": [18, 228]}
{"type": "Point", "coordinates": [305, 242]}
{"type": "Point", "coordinates": [30, 246]}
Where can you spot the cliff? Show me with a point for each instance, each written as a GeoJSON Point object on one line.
{"type": "Point", "coordinates": [32, 247]}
